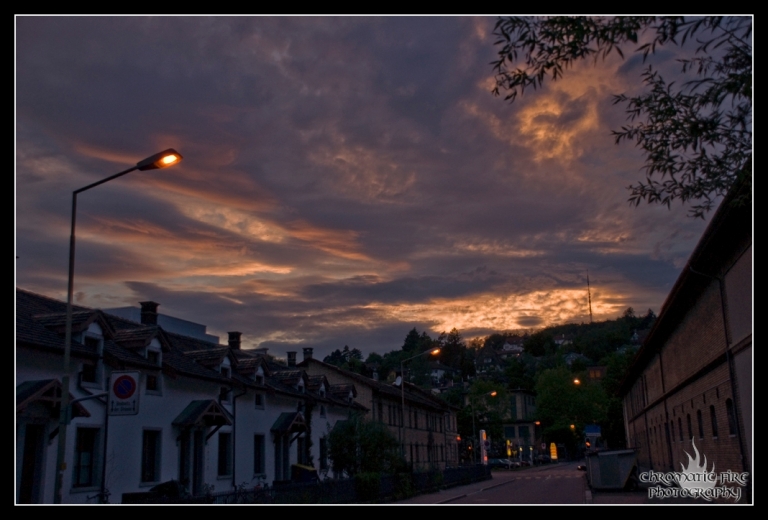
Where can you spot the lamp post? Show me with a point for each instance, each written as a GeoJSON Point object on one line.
{"type": "Point", "coordinates": [433, 351]}
{"type": "Point", "coordinates": [474, 433]}
{"type": "Point", "coordinates": [163, 159]}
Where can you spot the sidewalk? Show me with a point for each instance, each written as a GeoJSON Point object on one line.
{"type": "Point", "coordinates": [446, 496]}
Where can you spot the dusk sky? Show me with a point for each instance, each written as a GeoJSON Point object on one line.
{"type": "Point", "coordinates": [344, 179]}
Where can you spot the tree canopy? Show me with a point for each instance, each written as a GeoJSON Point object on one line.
{"type": "Point", "coordinates": [696, 136]}
{"type": "Point", "coordinates": [357, 445]}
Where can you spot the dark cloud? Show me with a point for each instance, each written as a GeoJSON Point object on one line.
{"type": "Point", "coordinates": [345, 178]}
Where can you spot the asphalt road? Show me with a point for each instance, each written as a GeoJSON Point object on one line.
{"type": "Point", "coordinates": [550, 484]}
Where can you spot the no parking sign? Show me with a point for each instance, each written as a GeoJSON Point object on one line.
{"type": "Point", "coordinates": [124, 393]}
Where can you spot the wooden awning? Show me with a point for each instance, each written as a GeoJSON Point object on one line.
{"type": "Point", "coordinates": [203, 413]}
{"type": "Point", "coordinates": [289, 422]}
{"type": "Point", "coordinates": [47, 392]}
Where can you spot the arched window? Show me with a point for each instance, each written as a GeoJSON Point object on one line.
{"type": "Point", "coordinates": [713, 418]}
{"type": "Point", "coordinates": [680, 427]}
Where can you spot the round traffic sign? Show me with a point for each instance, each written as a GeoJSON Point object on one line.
{"type": "Point", "coordinates": [124, 387]}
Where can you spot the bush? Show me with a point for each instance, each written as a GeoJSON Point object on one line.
{"type": "Point", "coordinates": [368, 486]}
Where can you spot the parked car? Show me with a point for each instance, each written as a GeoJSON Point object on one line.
{"type": "Point", "coordinates": [543, 459]}
{"type": "Point", "coordinates": [501, 463]}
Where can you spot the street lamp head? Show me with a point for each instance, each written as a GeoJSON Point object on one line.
{"type": "Point", "coordinates": [576, 382]}
{"type": "Point", "coordinates": [435, 351]}
{"type": "Point", "coordinates": [493, 394]}
{"type": "Point", "coordinates": [163, 159]}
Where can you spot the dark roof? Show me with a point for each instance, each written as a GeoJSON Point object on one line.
{"type": "Point", "coordinates": [37, 326]}
{"type": "Point", "coordinates": [412, 393]}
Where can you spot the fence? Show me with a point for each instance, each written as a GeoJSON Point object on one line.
{"type": "Point", "coordinates": [370, 487]}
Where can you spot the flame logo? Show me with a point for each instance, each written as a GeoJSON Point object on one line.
{"type": "Point", "coordinates": [696, 476]}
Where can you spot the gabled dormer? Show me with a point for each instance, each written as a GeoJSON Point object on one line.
{"type": "Point", "coordinates": [91, 373]}
{"type": "Point", "coordinates": [153, 380]}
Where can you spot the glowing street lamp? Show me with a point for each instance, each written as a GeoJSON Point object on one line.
{"type": "Point", "coordinates": [163, 159]}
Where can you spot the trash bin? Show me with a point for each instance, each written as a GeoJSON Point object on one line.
{"type": "Point", "coordinates": [613, 469]}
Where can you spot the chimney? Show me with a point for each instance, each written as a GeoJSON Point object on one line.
{"type": "Point", "coordinates": [291, 359]}
{"type": "Point", "coordinates": [149, 313]}
{"type": "Point", "coordinates": [307, 353]}
{"type": "Point", "coordinates": [234, 340]}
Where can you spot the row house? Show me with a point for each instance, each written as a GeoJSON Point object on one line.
{"type": "Point", "coordinates": [209, 416]}
{"type": "Point", "coordinates": [426, 427]}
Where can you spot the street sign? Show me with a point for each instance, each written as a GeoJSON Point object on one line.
{"type": "Point", "coordinates": [552, 451]}
{"type": "Point", "coordinates": [124, 393]}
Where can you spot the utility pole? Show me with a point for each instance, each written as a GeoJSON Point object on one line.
{"type": "Point", "coordinates": [589, 296]}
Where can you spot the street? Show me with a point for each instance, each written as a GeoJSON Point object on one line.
{"type": "Point", "coordinates": [551, 484]}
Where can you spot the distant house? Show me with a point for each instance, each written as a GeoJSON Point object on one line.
{"type": "Point", "coordinates": [488, 360]}
{"type": "Point", "coordinates": [691, 381]}
{"type": "Point", "coordinates": [520, 427]}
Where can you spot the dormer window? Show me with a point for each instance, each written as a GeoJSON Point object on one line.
{"type": "Point", "coordinates": [153, 357]}
{"type": "Point", "coordinates": [322, 391]}
{"type": "Point", "coordinates": [259, 379]}
{"type": "Point", "coordinates": [152, 379]}
{"type": "Point", "coordinates": [91, 371]}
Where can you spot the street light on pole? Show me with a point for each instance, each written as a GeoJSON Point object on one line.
{"type": "Point", "coordinates": [163, 159]}
{"type": "Point", "coordinates": [474, 433]}
{"type": "Point", "coordinates": [434, 352]}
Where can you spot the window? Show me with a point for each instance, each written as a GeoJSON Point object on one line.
{"type": "Point", "coordinates": [259, 400]}
{"type": "Point", "coordinates": [153, 383]}
{"type": "Point", "coordinates": [258, 454]}
{"type": "Point", "coordinates": [259, 379]}
{"type": "Point", "coordinates": [224, 391]}
{"type": "Point", "coordinates": [323, 453]}
{"type": "Point", "coordinates": [690, 429]}
{"type": "Point", "coordinates": [153, 357]}
{"type": "Point", "coordinates": [713, 419]}
{"type": "Point", "coordinates": [731, 416]}
{"type": "Point", "coordinates": [225, 454]}
{"type": "Point", "coordinates": [672, 426]}
{"type": "Point", "coordinates": [85, 457]}
{"type": "Point", "coordinates": [150, 456]}
{"type": "Point", "coordinates": [701, 424]}
{"type": "Point", "coordinates": [322, 410]}
{"type": "Point", "coordinates": [88, 375]}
